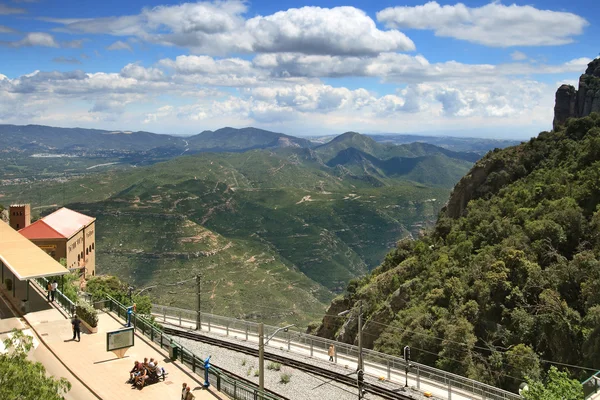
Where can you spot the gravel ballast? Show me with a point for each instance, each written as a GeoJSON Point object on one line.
{"type": "Point", "coordinates": [301, 385]}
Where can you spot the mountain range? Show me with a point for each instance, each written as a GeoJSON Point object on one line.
{"type": "Point", "coordinates": [39, 138]}
{"type": "Point", "coordinates": [294, 220]}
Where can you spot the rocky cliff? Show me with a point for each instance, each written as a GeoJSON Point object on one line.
{"type": "Point", "coordinates": [571, 103]}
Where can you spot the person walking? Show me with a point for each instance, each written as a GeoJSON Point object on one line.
{"type": "Point", "coordinates": [183, 390]}
{"type": "Point", "coordinates": [49, 288]}
{"type": "Point", "coordinates": [331, 352]}
{"type": "Point", "coordinates": [76, 322]}
{"type": "Point", "coordinates": [188, 394]}
{"type": "Point", "coordinates": [54, 288]}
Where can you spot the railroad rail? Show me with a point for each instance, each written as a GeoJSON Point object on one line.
{"type": "Point", "coordinates": [382, 392]}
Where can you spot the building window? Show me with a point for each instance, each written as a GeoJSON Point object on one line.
{"type": "Point", "coordinates": [78, 257]}
{"type": "Point", "coordinates": [92, 246]}
{"type": "Point", "coordinates": [17, 226]}
{"type": "Point", "coordinates": [87, 251]}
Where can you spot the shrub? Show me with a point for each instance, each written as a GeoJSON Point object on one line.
{"type": "Point", "coordinates": [285, 378]}
{"type": "Point", "coordinates": [87, 313]}
{"type": "Point", "coordinates": [274, 366]}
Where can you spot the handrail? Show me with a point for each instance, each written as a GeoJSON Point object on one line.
{"type": "Point", "coordinates": [236, 389]}
{"type": "Point", "coordinates": [65, 303]}
{"type": "Point", "coordinates": [451, 382]}
{"type": "Point", "coordinates": [591, 385]}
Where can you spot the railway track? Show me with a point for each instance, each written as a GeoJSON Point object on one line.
{"type": "Point", "coordinates": [382, 392]}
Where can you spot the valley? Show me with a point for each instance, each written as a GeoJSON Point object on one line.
{"type": "Point", "coordinates": [276, 232]}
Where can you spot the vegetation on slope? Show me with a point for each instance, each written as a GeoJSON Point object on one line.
{"type": "Point", "coordinates": [510, 280]}
{"type": "Point", "coordinates": [275, 232]}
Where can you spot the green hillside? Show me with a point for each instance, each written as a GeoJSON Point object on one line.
{"type": "Point", "coordinates": [288, 230]}
{"type": "Point", "coordinates": [385, 151]}
{"type": "Point", "coordinates": [509, 276]}
{"type": "Point", "coordinates": [231, 139]}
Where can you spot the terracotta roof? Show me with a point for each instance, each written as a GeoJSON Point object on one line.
{"type": "Point", "coordinates": [24, 258]}
{"type": "Point", "coordinates": [67, 222]}
{"type": "Point", "coordinates": [40, 230]}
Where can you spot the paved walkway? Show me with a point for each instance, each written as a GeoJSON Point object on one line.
{"type": "Point", "coordinates": [101, 374]}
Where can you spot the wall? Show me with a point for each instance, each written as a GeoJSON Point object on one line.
{"type": "Point", "coordinates": [75, 251]}
{"type": "Point", "coordinates": [56, 246]}
{"type": "Point", "coordinates": [19, 216]}
{"type": "Point", "coordinates": [89, 233]}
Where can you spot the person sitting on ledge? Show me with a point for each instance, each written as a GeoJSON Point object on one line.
{"type": "Point", "coordinates": [135, 371]}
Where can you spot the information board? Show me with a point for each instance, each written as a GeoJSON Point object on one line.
{"type": "Point", "coordinates": [121, 339]}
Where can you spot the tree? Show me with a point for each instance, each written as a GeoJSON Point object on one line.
{"type": "Point", "coordinates": [21, 379]}
{"type": "Point", "coordinates": [558, 386]}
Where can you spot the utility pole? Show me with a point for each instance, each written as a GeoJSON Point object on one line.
{"type": "Point", "coordinates": [407, 364]}
{"type": "Point", "coordinates": [360, 347]}
{"type": "Point", "coordinates": [261, 359]}
{"type": "Point", "coordinates": [198, 291]}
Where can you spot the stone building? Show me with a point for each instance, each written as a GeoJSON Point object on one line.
{"type": "Point", "coordinates": [63, 234]}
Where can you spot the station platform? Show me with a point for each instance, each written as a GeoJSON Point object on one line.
{"type": "Point", "coordinates": [99, 374]}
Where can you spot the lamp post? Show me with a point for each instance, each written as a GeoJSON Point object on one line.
{"type": "Point", "coordinates": [261, 353]}
{"type": "Point", "coordinates": [360, 364]}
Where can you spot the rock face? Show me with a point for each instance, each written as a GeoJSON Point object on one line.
{"type": "Point", "coordinates": [571, 103]}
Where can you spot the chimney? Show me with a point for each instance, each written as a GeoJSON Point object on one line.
{"type": "Point", "coordinates": [19, 216]}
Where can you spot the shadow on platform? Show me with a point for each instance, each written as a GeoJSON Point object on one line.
{"type": "Point", "coordinates": [25, 297]}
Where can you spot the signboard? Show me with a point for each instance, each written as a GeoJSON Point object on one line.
{"type": "Point", "coordinates": [47, 246]}
{"type": "Point", "coordinates": [121, 339]}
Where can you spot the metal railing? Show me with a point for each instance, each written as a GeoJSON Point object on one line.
{"type": "Point", "coordinates": [591, 385]}
{"type": "Point", "coordinates": [423, 374]}
{"type": "Point", "coordinates": [64, 302]}
{"type": "Point", "coordinates": [223, 381]}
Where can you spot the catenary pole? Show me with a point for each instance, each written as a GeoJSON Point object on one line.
{"type": "Point", "coordinates": [261, 359]}
{"type": "Point", "coordinates": [198, 311]}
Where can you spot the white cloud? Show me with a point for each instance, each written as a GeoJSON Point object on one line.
{"type": "Point", "coordinates": [31, 39]}
{"type": "Point", "coordinates": [140, 73]}
{"type": "Point", "coordinates": [401, 68]}
{"type": "Point", "coordinates": [494, 24]}
{"type": "Point", "coordinates": [119, 45]}
{"type": "Point", "coordinates": [518, 56]}
{"type": "Point", "coordinates": [7, 10]}
{"type": "Point", "coordinates": [267, 91]}
{"type": "Point", "coordinates": [6, 29]}
{"type": "Point", "coordinates": [73, 44]}
{"type": "Point", "coordinates": [315, 30]}
{"type": "Point", "coordinates": [220, 28]}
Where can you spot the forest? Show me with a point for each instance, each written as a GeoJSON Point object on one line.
{"type": "Point", "coordinates": [509, 287]}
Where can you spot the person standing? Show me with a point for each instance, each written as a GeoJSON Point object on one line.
{"type": "Point", "coordinates": [54, 288]}
{"type": "Point", "coordinates": [331, 352]}
{"type": "Point", "coordinates": [49, 288]}
{"type": "Point", "coordinates": [76, 322]}
{"type": "Point", "coordinates": [183, 391]}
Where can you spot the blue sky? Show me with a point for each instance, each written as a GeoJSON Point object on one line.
{"type": "Point", "coordinates": [304, 68]}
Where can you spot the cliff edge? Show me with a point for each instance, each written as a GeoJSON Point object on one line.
{"type": "Point", "coordinates": [571, 103]}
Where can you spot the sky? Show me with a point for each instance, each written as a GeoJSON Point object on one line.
{"type": "Point", "coordinates": [478, 68]}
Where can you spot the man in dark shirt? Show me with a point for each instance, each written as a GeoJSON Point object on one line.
{"type": "Point", "coordinates": [76, 329]}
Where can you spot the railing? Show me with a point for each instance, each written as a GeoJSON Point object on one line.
{"type": "Point", "coordinates": [591, 385]}
{"type": "Point", "coordinates": [226, 383]}
{"type": "Point", "coordinates": [423, 374]}
{"type": "Point", "coordinates": [64, 302]}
